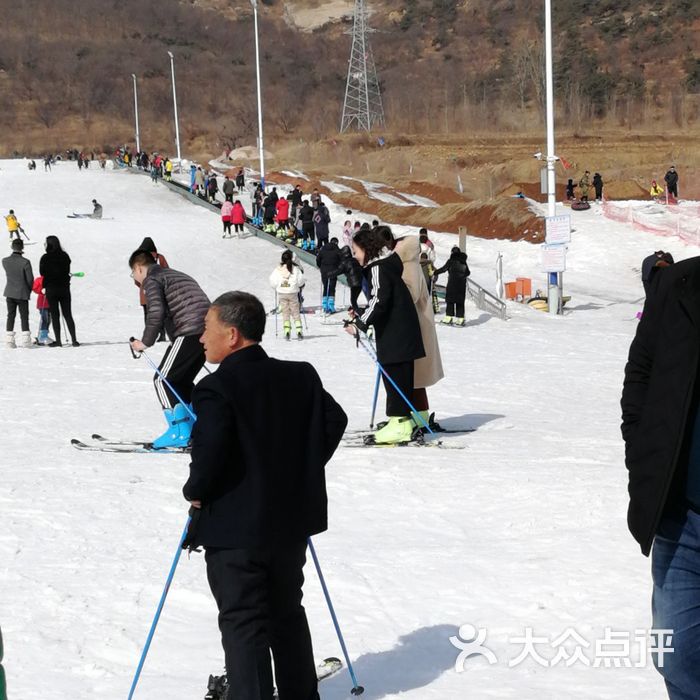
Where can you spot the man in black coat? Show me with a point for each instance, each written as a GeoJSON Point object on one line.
{"type": "Point", "coordinates": [661, 429]}
{"type": "Point", "coordinates": [671, 179]}
{"type": "Point", "coordinates": [265, 431]}
{"type": "Point", "coordinates": [328, 259]}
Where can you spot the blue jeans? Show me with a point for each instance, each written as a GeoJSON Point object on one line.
{"type": "Point", "coordinates": [676, 601]}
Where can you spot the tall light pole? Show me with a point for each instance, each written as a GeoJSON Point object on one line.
{"type": "Point", "coordinates": [136, 115]}
{"type": "Point", "coordinates": [177, 127]}
{"type": "Point", "coordinates": [254, 3]}
{"type": "Point", "coordinates": [554, 292]}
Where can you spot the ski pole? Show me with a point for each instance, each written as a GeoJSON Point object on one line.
{"type": "Point", "coordinates": [301, 310]}
{"type": "Point", "coordinates": [154, 366]}
{"type": "Point", "coordinates": [374, 400]}
{"type": "Point", "coordinates": [373, 355]}
{"type": "Point", "coordinates": [357, 689]}
{"type": "Point", "coordinates": [164, 595]}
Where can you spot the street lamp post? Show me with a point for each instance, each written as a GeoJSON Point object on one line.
{"type": "Point", "coordinates": [254, 3]}
{"type": "Point", "coordinates": [136, 115]}
{"type": "Point", "coordinates": [177, 127]}
{"type": "Point", "coordinates": [554, 282]}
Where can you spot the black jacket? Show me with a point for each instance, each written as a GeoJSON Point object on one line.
{"type": "Point", "coordinates": [659, 396]}
{"type": "Point", "coordinates": [265, 431]}
{"type": "Point", "coordinates": [173, 300]}
{"type": "Point", "coordinates": [671, 178]}
{"type": "Point", "coordinates": [55, 268]}
{"type": "Point", "coordinates": [392, 313]}
{"type": "Point", "coordinates": [457, 273]}
{"type": "Point", "coordinates": [296, 197]}
{"type": "Point", "coordinates": [328, 258]}
{"type": "Point", "coordinates": [349, 267]}
{"type": "Point", "coordinates": [306, 214]}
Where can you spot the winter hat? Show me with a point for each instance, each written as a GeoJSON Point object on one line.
{"type": "Point", "coordinates": [148, 245]}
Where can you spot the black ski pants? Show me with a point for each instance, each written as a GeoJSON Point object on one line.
{"type": "Point", "coordinates": [258, 593]}
{"type": "Point", "coordinates": [451, 306]}
{"type": "Point", "coordinates": [402, 374]}
{"type": "Point", "coordinates": [12, 306]}
{"type": "Point", "coordinates": [328, 284]}
{"type": "Point", "coordinates": [60, 303]}
{"type": "Point", "coordinates": [180, 366]}
{"type": "Point", "coordinates": [354, 296]}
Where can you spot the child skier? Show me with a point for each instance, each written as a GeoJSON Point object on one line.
{"type": "Point", "coordinates": [42, 304]}
{"type": "Point", "coordinates": [457, 273]}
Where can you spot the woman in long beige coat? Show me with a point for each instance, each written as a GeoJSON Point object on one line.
{"type": "Point", "coordinates": [428, 370]}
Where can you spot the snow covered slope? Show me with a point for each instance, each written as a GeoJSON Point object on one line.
{"type": "Point", "coordinates": [523, 528]}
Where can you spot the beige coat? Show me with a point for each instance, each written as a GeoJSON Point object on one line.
{"type": "Point", "coordinates": [428, 370]}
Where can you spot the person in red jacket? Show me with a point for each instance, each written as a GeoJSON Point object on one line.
{"type": "Point", "coordinates": [238, 216]}
{"type": "Point", "coordinates": [282, 207]}
{"type": "Point", "coordinates": [42, 304]}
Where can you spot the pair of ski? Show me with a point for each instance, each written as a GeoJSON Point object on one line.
{"type": "Point", "coordinates": [218, 685]}
{"type": "Point", "coordinates": [363, 438]}
{"type": "Point", "coordinates": [98, 443]}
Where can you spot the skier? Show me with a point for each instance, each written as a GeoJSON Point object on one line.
{"type": "Point", "coordinates": [269, 211]}
{"type": "Point", "coordinates": [288, 279]}
{"type": "Point", "coordinates": [671, 179]}
{"type": "Point", "coordinates": [175, 300]}
{"type": "Point", "coordinates": [322, 218]}
{"type": "Point", "coordinates": [96, 210]}
{"type": "Point", "coordinates": [13, 226]}
{"type": "Point", "coordinates": [457, 273]}
{"type": "Point", "coordinates": [598, 186]}
{"type": "Point", "coordinates": [168, 170]}
{"type": "Point", "coordinates": [265, 431]}
{"type": "Point", "coordinates": [226, 209]}
{"type": "Point", "coordinates": [306, 214]}
{"type": "Point", "coordinates": [240, 181]}
{"type": "Point", "coordinates": [228, 188]}
{"type": "Point", "coordinates": [238, 217]}
{"type": "Point", "coordinates": [54, 267]}
{"type": "Point", "coordinates": [18, 289]}
{"type": "Point", "coordinates": [427, 370]}
{"type": "Point", "coordinates": [352, 270]}
{"type": "Point", "coordinates": [397, 330]}
{"type": "Point", "coordinates": [282, 209]}
{"type": "Point", "coordinates": [47, 163]}
{"type": "Point", "coordinates": [148, 244]}
{"type": "Point", "coordinates": [328, 260]}
{"type": "Point", "coordinates": [297, 196]}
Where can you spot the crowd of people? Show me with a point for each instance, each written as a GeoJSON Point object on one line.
{"type": "Point", "coordinates": [585, 183]}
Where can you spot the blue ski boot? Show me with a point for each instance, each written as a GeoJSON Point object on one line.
{"type": "Point", "coordinates": [179, 428]}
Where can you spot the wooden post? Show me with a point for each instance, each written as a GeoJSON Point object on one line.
{"type": "Point", "coordinates": [463, 238]}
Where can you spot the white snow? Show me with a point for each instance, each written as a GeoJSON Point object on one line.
{"type": "Point", "coordinates": [524, 527]}
{"type": "Point", "coordinates": [295, 173]}
{"type": "Point", "coordinates": [336, 187]}
{"type": "Point", "coordinates": [417, 199]}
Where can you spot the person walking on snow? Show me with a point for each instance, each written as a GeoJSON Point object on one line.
{"type": "Point", "coordinates": [585, 185]}
{"type": "Point", "coordinates": [42, 305]}
{"type": "Point", "coordinates": [240, 181]}
{"type": "Point", "coordinates": [238, 217]}
{"type": "Point", "coordinates": [598, 186]}
{"type": "Point", "coordinates": [175, 300]}
{"type": "Point", "coordinates": [265, 431]}
{"type": "Point", "coordinates": [457, 273]}
{"type": "Point", "coordinates": [228, 188]}
{"type": "Point", "coordinates": [288, 279]}
{"type": "Point", "coordinates": [397, 330]}
{"type": "Point", "coordinates": [226, 209]}
{"type": "Point", "coordinates": [18, 289]}
{"type": "Point", "coordinates": [54, 267]}
{"type": "Point", "coordinates": [352, 270]}
{"type": "Point", "coordinates": [328, 260]}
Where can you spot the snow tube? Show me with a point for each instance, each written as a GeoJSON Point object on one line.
{"type": "Point", "coordinates": [580, 206]}
{"type": "Point", "coordinates": [538, 303]}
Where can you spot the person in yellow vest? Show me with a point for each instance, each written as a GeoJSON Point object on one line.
{"type": "Point", "coordinates": [13, 225]}
{"type": "Point", "coordinates": [168, 169]}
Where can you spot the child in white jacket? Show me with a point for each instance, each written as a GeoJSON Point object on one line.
{"type": "Point", "coordinates": [288, 279]}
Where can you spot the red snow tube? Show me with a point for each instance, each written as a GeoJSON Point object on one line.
{"type": "Point", "coordinates": [580, 206]}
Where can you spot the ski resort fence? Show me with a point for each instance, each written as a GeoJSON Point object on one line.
{"type": "Point", "coordinates": [682, 221]}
